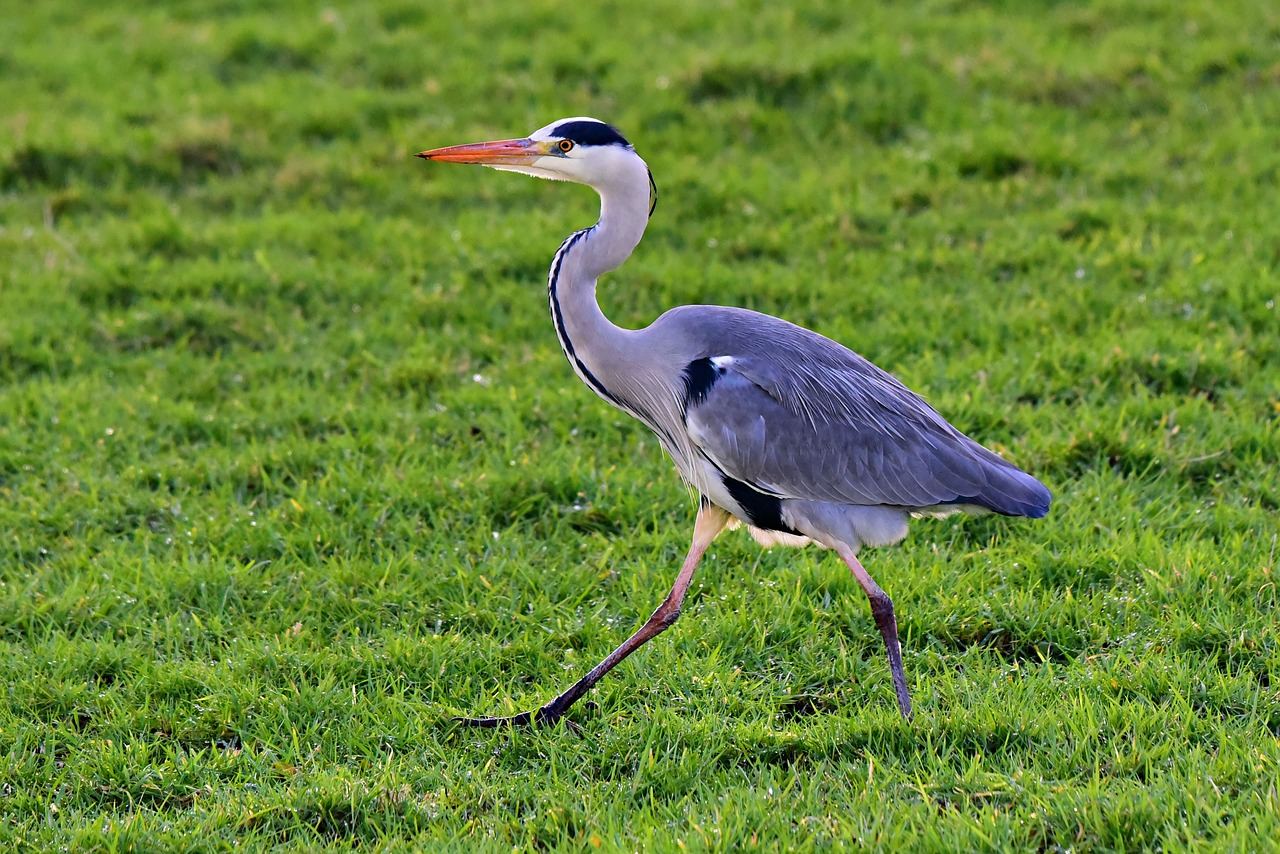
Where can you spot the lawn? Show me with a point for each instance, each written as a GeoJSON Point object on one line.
{"type": "Point", "coordinates": [293, 471]}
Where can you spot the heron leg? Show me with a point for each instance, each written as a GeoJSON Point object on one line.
{"type": "Point", "coordinates": [882, 611]}
{"type": "Point", "coordinates": [710, 522]}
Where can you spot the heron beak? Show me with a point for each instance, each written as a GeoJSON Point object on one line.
{"type": "Point", "coordinates": [505, 152]}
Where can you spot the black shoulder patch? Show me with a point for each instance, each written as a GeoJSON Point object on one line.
{"type": "Point", "coordinates": [590, 133]}
{"type": "Point", "coordinates": [763, 510]}
{"type": "Point", "coordinates": [699, 376]}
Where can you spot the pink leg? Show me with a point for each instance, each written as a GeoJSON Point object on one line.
{"type": "Point", "coordinates": [710, 522]}
{"type": "Point", "coordinates": [882, 611]}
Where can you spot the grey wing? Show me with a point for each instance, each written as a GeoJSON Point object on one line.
{"type": "Point", "coordinates": [830, 426]}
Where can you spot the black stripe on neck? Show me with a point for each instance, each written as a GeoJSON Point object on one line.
{"type": "Point", "coordinates": [557, 317]}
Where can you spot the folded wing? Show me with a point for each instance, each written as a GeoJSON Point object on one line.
{"type": "Point", "coordinates": [813, 420]}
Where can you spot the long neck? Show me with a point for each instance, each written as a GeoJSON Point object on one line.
{"type": "Point", "coordinates": [599, 351]}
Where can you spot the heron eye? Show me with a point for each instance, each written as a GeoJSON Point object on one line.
{"type": "Point", "coordinates": [566, 145]}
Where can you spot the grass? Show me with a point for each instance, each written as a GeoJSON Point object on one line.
{"type": "Point", "coordinates": [292, 469]}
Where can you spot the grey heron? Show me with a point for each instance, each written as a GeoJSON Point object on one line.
{"type": "Point", "coordinates": [776, 427]}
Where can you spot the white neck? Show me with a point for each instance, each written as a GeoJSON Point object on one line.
{"type": "Point", "coordinates": [594, 346]}
{"type": "Point", "coordinates": [624, 214]}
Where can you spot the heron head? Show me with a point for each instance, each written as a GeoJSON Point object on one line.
{"type": "Point", "coordinates": [579, 149]}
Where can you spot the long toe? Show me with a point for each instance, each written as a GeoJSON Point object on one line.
{"type": "Point", "coordinates": [522, 719]}
{"type": "Point", "coordinates": [543, 717]}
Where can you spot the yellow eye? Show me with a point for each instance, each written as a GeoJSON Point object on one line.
{"type": "Point", "coordinates": [566, 145]}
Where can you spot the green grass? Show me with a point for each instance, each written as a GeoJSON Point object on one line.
{"type": "Point", "coordinates": [292, 469]}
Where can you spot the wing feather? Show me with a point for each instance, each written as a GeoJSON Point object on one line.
{"type": "Point", "coordinates": [797, 415]}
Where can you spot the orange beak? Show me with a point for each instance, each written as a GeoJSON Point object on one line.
{"type": "Point", "coordinates": [505, 152]}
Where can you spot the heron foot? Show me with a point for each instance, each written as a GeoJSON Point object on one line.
{"type": "Point", "coordinates": [544, 717]}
